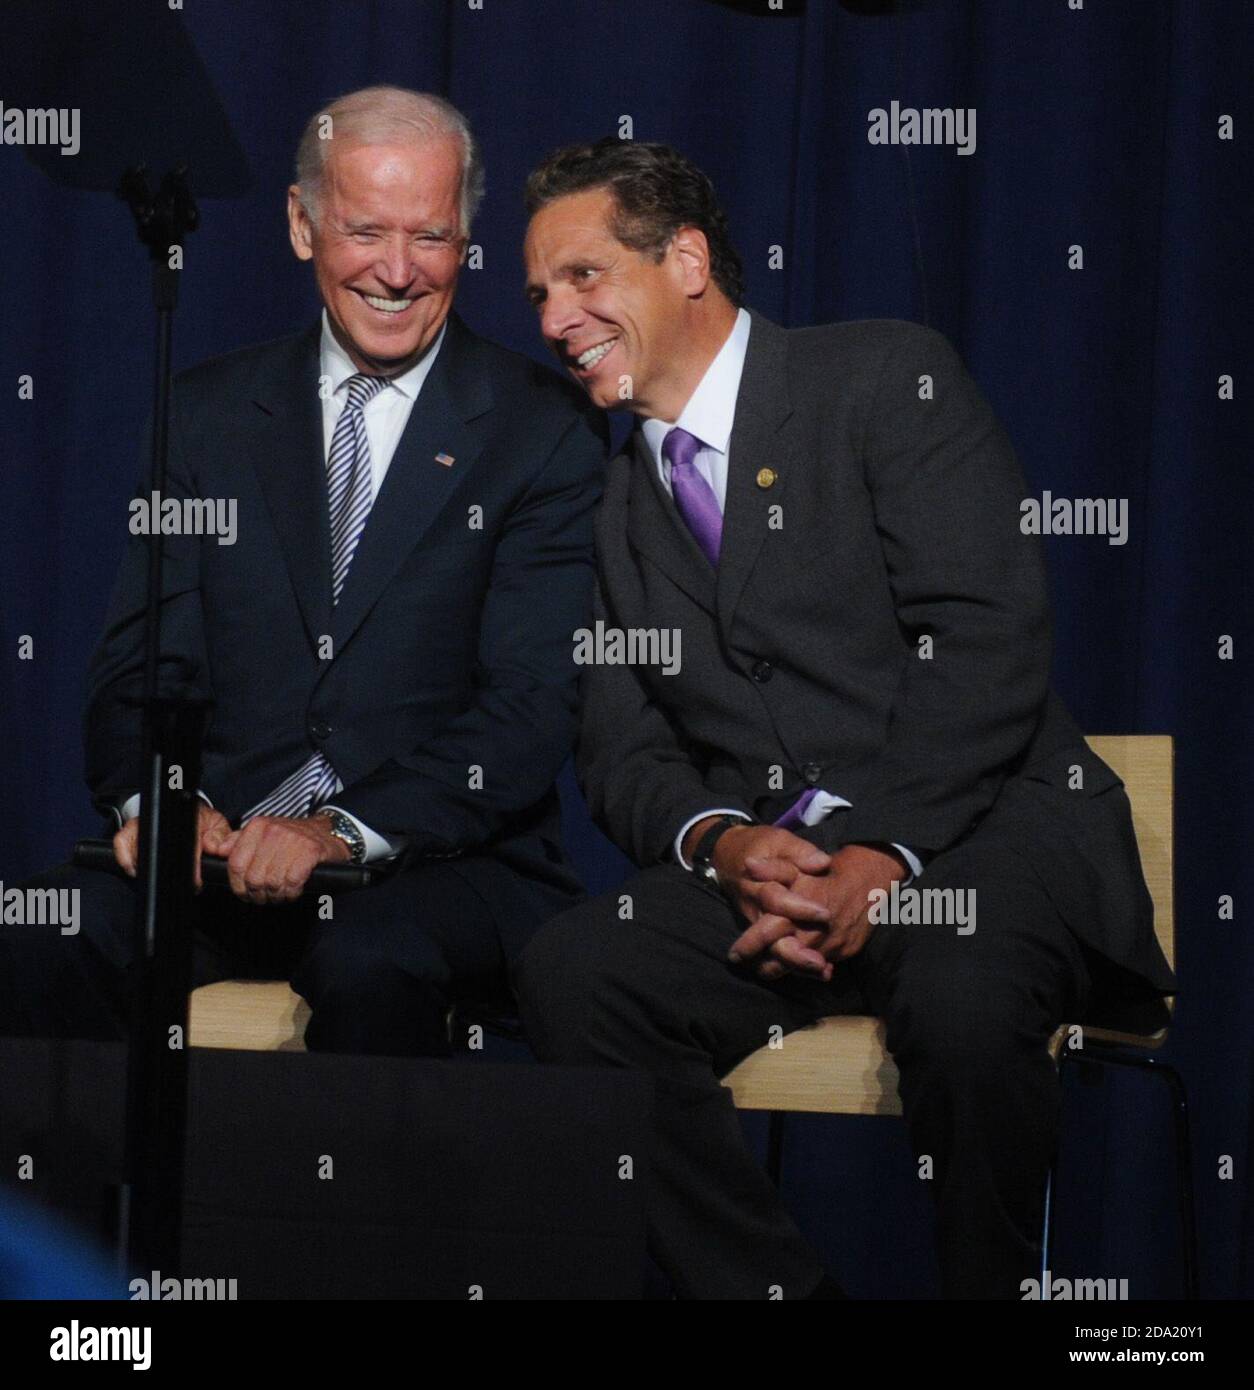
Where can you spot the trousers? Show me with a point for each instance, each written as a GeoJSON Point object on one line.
{"type": "Point", "coordinates": [379, 973]}
{"type": "Point", "coordinates": [641, 978]}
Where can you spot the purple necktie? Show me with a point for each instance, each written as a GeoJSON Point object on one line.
{"type": "Point", "coordinates": [694, 497]}
{"type": "Point", "coordinates": [795, 814]}
{"type": "Point", "coordinates": [699, 508]}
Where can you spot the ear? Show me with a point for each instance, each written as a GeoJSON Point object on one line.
{"type": "Point", "coordinates": [692, 258]}
{"type": "Point", "coordinates": [299, 227]}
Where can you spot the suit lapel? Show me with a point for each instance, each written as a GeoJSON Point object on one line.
{"type": "Point", "coordinates": [757, 443]}
{"type": "Point", "coordinates": [656, 530]}
{"type": "Point", "coordinates": [289, 450]}
{"type": "Point", "coordinates": [457, 390]}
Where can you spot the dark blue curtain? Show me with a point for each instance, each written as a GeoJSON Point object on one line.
{"type": "Point", "coordinates": [1097, 127]}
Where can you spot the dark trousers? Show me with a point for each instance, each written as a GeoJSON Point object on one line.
{"type": "Point", "coordinates": [379, 973]}
{"type": "Point", "coordinates": [967, 1019]}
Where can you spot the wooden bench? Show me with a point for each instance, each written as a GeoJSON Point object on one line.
{"type": "Point", "coordinates": [838, 1067]}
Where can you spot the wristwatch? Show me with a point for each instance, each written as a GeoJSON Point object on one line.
{"type": "Point", "coordinates": [344, 829]}
{"type": "Point", "coordinates": [703, 855]}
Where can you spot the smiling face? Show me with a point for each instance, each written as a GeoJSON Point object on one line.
{"type": "Point", "coordinates": [616, 319]}
{"type": "Point", "coordinates": [387, 248]}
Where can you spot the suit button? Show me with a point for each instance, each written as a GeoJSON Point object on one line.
{"type": "Point", "coordinates": [812, 772]}
{"type": "Point", "coordinates": [762, 671]}
{"type": "Point", "coordinates": [320, 729]}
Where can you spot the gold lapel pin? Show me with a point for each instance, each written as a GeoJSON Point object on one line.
{"type": "Point", "coordinates": [766, 477]}
{"type": "Point", "coordinates": [446, 459]}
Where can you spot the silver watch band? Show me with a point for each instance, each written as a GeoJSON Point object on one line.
{"type": "Point", "coordinates": [344, 829]}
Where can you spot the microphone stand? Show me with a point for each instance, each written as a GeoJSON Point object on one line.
{"type": "Point", "coordinates": [151, 1195]}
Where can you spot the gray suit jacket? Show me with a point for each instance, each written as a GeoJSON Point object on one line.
{"type": "Point", "coordinates": [860, 519]}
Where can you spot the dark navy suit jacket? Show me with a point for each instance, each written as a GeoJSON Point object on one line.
{"type": "Point", "coordinates": [441, 687]}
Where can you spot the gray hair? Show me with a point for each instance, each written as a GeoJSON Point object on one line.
{"type": "Point", "coordinates": [386, 115]}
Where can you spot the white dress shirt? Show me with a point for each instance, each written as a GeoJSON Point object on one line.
{"type": "Point", "coordinates": [709, 414]}
{"type": "Point", "coordinates": [386, 415]}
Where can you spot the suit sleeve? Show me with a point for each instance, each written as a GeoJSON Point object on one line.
{"type": "Point", "coordinates": [638, 775]}
{"type": "Point", "coordinates": [501, 755]}
{"type": "Point", "coordinates": [946, 492]}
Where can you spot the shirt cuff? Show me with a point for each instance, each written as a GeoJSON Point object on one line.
{"type": "Point", "coordinates": [377, 846]}
{"type": "Point", "coordinates": [129, 809]}
{"type": "Point", "coordinates": [916, 868]}
{"type": "Point", "coordinates": [704, 815]}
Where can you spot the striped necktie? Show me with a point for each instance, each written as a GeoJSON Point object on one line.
{"type": "Point", "coordinates": [348, 477]}
{"type": "Point", "coordinates": [350, 489]}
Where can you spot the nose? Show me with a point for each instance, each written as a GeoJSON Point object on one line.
{"type": "Point", "coordinates": [560, 315]}
{"type": "Point", "coordinates": [395, 268]}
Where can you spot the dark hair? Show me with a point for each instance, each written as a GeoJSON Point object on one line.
{"type": "Point", "coordinates": [656, 192]}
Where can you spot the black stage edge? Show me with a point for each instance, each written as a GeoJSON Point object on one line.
{"type": "Point", "coordinates": [319, 1176]}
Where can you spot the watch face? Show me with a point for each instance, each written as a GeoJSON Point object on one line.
{"type": "Point", "coordinates": [343, 829]}
{"type": "Point", "coordinates": [708, 879]}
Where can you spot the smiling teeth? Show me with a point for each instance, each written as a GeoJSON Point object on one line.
{"type": "Point", "coordinates": [389, 306]}
{"type": "Point", "coordinates": [594, 354]}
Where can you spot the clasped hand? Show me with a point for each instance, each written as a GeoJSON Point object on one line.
{"type": "Point", "coordinates": [268, 861]}
{"type": "Point", "coordinates": [806, 908]}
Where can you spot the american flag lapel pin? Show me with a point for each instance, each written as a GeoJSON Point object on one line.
{"type": "Point", "coordinates": [446, 459]}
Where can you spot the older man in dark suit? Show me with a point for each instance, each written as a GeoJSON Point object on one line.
{"type": "Point", "coordinates": [385, 638]}
{"type": "Point", "coordinates": [829, 520]}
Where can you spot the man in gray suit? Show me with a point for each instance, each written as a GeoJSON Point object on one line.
{"type": "Point", "coordinates": [824, 524]}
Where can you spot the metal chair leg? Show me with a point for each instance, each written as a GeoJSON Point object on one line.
{"type": "Point", "coordinates": [1184, 1177]}
{"type": "Point", "coordinates": [1096, 1055]}
{"type": "Point", "coordinates": [1047, 1226]}
{"type": "Point", "coordinates": [775, 1146]}
{"type": "Point", "coordinates": [1051, 1187]}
